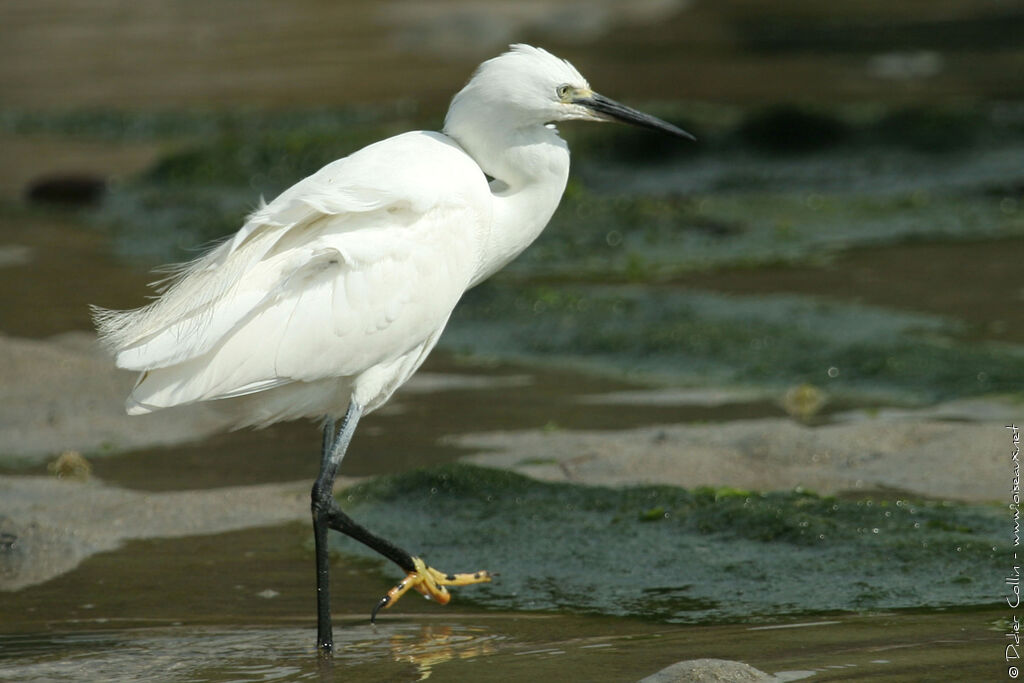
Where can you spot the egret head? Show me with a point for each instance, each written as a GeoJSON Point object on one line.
{"type": "Point", "coordinates": [529, 86]}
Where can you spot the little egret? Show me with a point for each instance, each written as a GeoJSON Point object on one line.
{"type": "Point", "coordinates": [331, 296]}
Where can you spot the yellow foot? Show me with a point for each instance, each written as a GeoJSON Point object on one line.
{"type": "Point", "coordinates": [430, 582]}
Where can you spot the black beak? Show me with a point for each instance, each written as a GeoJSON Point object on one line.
{"type": "Point", "coordinates": [611, 110]}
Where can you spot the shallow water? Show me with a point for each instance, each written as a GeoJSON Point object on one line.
{"type": "Point", "coordinates": [502, 647]}
{"type": "Point", "coordinates": [905, 277]}
{"type": "Point", "coordinates": [239, 607]}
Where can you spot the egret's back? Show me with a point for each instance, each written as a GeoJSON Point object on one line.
{"type": "Point", "coordinates": [340, 285]}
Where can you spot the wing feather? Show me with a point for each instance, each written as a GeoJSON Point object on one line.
{"type": "Point", "coordinates": [346, 270]}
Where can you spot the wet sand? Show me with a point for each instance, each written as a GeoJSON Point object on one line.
{"type": "Point", "coordinates": [911, 456]}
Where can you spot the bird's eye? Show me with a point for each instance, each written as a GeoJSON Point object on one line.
{"type": "Point", "coordinates": [563, 91]}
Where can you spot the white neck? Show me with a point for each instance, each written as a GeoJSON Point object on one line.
{"type": "Point", "coordinates": [530, 166]}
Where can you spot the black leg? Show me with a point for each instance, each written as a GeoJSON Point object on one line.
{"type": "Point", "coordinates": [327, 515]}
{"type": "Point", "coordinates": [328, 440]}
{"type": "Point", "coordinates": [321, 497]}
{"type": "Point", "coordinates": [339, 521]}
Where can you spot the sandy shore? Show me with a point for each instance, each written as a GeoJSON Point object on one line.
{"type": "Point", "coordinates": [922, 457]}
{"type": "Point", "coordinates": [51, 525]}
{"type": "Point", "coordinates": [63, 393]}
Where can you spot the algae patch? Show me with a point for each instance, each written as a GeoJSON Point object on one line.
{"type": "Point", "coordinates": [678, 555]}
{"type": "Point", "coordinates": [742, 212]}
{"type": "Point", "coordinates": [702, 339]}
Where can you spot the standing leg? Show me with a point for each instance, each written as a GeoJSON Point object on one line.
{"type": "Point", "coordinates": [328, 439]}
{"type": "Point", "coordinates": [321, 498]}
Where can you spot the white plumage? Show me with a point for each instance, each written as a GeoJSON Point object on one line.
{"type": "Point", "coordinates": [340, 287]}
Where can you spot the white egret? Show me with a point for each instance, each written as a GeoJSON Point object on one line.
{"type": "Point", "coordinates": [331, 296]}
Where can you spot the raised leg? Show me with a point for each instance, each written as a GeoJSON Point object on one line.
{"type": "Point", "coordinates": [430, 583]}
{"type": "Point", "coordinates": [327, 515]}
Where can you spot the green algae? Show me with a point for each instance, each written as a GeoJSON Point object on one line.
{"type": "Point", "coordinates": [752, 212]}
{"type": "Point", "coordinates": [209, 125]}
{"type": "Point", "coordinates": [694, 338]}
{"type": "Point", "coordinates": [681, 555]}
{"type": "Point", "coordinates": [788, 128]}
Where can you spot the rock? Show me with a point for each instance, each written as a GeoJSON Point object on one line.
{"type": "Point", "coordinates": [66, 189]}
{"type": "Point", "coordinates": [708, 671]}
